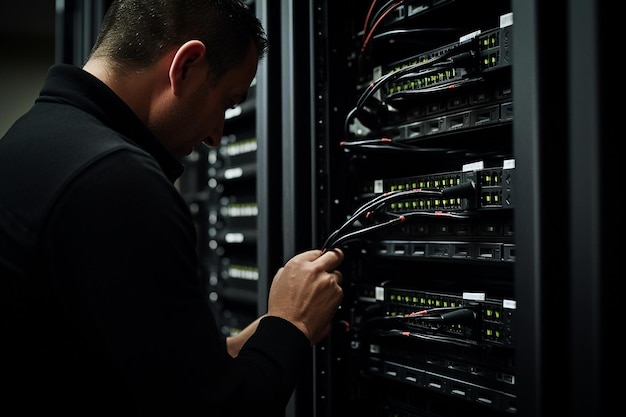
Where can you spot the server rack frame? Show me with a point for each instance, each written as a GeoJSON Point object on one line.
{"type": "Point", "coordinates": [565, 123]}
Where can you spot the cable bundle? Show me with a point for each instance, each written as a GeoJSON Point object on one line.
{"type": "Point", "coordinates": [370, 213]}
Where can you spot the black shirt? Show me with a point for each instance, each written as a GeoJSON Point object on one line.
{"type": "Point", "coordinates": [101, 308]}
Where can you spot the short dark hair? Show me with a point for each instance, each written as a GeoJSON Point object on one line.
{"type": "Point", "coordinates": [136, 33]}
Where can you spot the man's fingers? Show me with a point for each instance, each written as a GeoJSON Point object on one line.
{"type": "Point", "coordinates": [331, 259]}
{"type": "Point", "coordinates": [338, 276]}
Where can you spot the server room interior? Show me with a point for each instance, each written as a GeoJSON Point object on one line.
{"type": "Point", "coordinates": [415, 163]}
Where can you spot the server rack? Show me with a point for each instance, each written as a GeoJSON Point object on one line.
{"type": "Point", "coordinates": [564, 257]}
{"type": "Point", "coordinates": [555, 252]}
{"type": "Point", "coordinates": [419, 180]}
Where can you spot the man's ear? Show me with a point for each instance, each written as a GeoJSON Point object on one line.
{"type": "Point", "coordinates": [188, 68]}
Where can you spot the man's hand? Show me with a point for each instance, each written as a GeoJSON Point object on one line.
{"type": "Point", "coordinates": [306, 292]}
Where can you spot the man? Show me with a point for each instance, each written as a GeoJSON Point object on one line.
{"type": "Point", "coordinates": [102, 312]}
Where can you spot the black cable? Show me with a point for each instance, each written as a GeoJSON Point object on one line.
{"type": "Point", "coordinates": [386, 143]}
{"type": "Point", "coordinates": [464, 215]}
{"type": "Point", "coordinates": [357, 233]}
{"type": "Point", "coordinates": [370, 205]}
{"type": "Point", "coordinates": [458, 56]}
{"type": "Point", "coordinates": [466, 189]}
{"type": "Point", "coordinates": [368, 210]}
{"type": "Point", "coordinates": [398, 34]}
{"type": "Point", "coordinates": [442, 316]}
{"type": "Point", "coordinates": [377, 19]}
{"type": "Point", "coordinates": [455, 56]}
{"type": "Point", "coordinates": [394, 97]}
{"type": "Point", "coordinates": [428, 337]}
{"type": "Point", "coordinates": [446, 315]}
{"type": "Point", "coordinates": [377, 15]}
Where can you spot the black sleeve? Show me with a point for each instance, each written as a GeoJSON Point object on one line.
{"type": "Point", "coordinates": [123, 244]}
{"type": "Point", "coordinates": [268, 367]}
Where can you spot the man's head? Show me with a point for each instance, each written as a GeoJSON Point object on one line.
{"type": "Point", "coordinates": [179, 64]}
{"type": "Point", "coordinates": [136, 33]}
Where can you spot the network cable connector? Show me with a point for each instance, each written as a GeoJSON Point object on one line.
{"type": "Point", "coordinates": [496, 45]}
{"type": "Point", "coordinates": [494, 185]}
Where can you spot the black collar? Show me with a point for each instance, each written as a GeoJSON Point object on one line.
{"type": "Point", "coordinates": [81, 89]}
